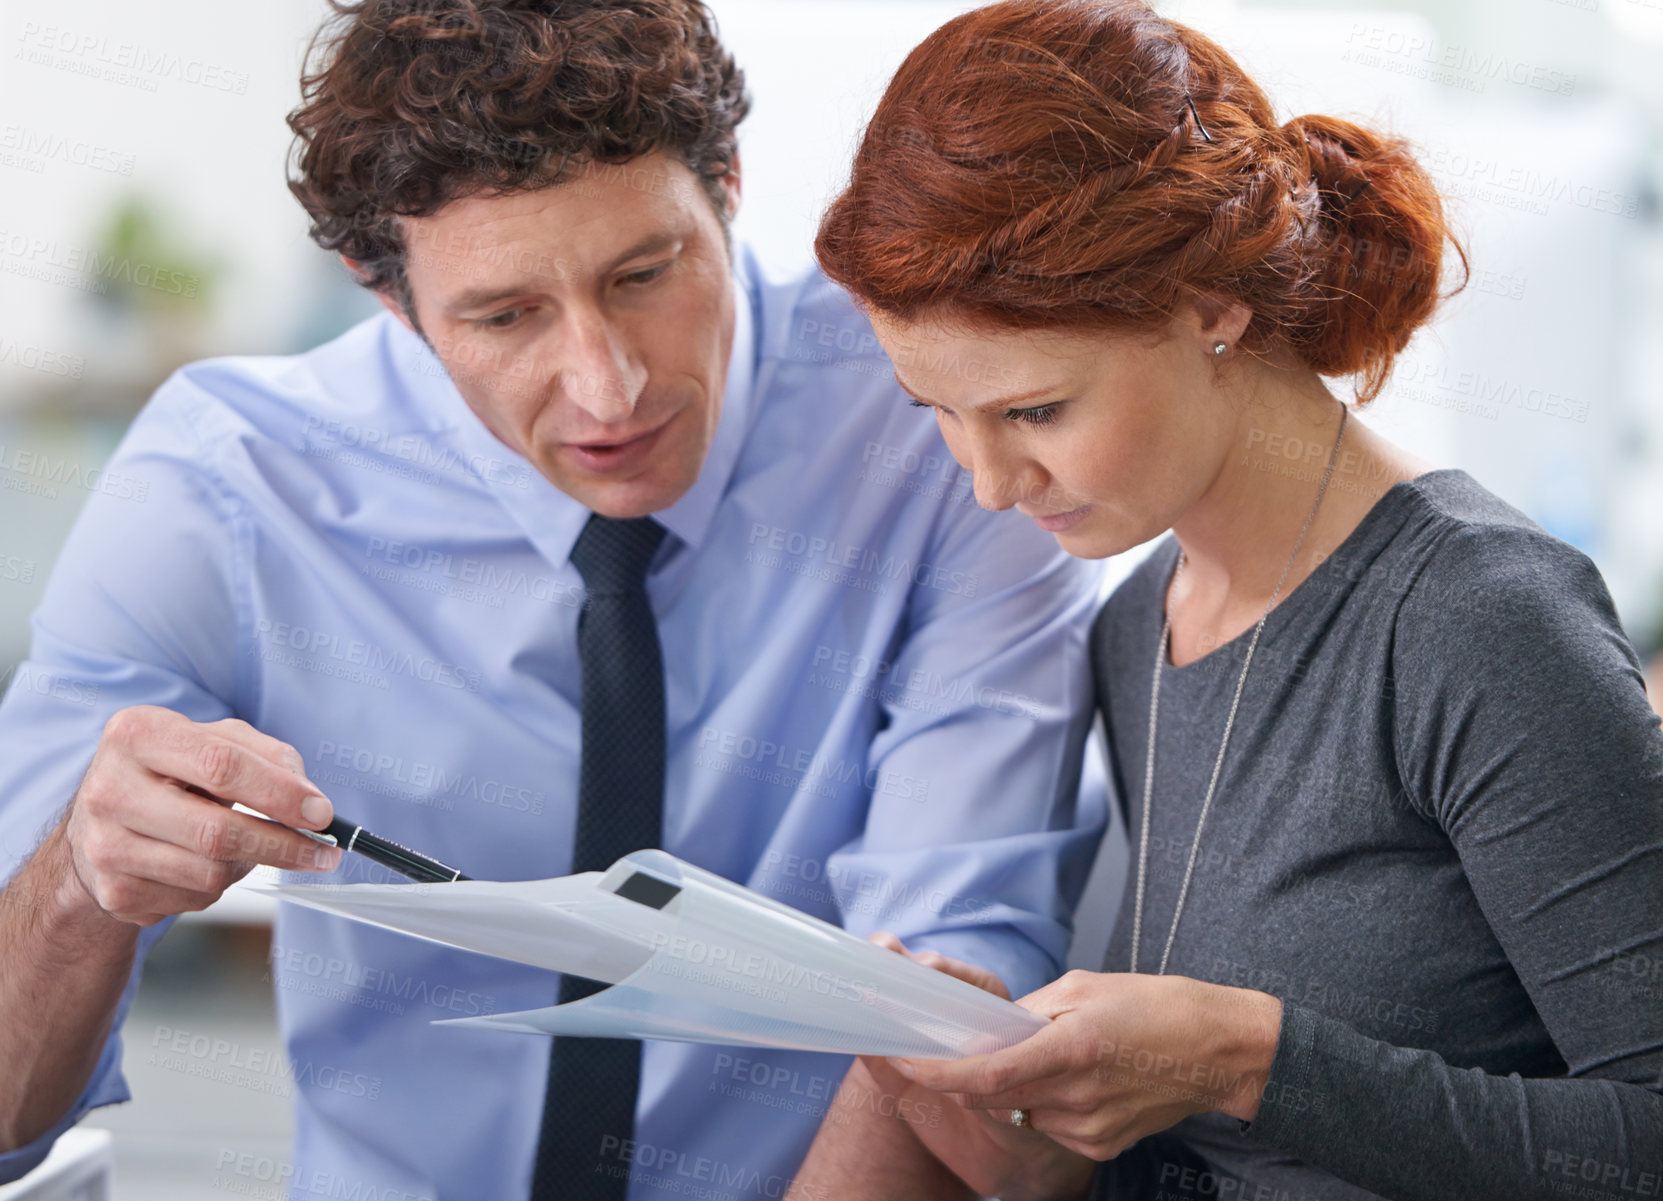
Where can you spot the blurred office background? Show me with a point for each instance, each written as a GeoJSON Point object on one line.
{"type": "Point", "coordinates": [144, 223]}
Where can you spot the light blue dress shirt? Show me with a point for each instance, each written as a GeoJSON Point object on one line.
{"type": "Point", "coordinates": [876, 692]}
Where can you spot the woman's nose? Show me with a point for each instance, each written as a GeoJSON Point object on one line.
{"type": "Point", "coordinates": [1001, 479]}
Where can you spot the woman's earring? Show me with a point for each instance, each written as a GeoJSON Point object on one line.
{"type": "Point", "coordinates": [1220, 347]}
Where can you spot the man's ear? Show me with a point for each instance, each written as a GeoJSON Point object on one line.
{"type": "Point", "coordinates": [732, 184]}
{"type": "Point", "coordinates": [387, 301]}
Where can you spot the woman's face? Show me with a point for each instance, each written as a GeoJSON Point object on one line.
{"type": "Point", "coordinates": [1105, 440]}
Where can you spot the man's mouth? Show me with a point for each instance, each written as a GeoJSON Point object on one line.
{"type": "Point", "coordinates": [616, 454]}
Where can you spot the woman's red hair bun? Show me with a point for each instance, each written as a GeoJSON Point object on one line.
{"type": "Point", "coordinates": [1090, 163]}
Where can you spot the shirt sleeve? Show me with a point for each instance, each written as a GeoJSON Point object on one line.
{"type": "Point", "coordinates": [138, 609]}
{"type": "Point", "coordinates": [1524, 732]}
{"type": "Point", "coordinates": [977, 842]}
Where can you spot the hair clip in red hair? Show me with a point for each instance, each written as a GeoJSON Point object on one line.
{"type": "Point", "coordinates": [1354, 195]}
{"type": "Point", "coordinates": [1197, 117]}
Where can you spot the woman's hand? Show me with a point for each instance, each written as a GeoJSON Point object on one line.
{"type": "Point", "coordinates": [1125, 1056]}
{"type": "Point", "coordinates": [981, 1147]}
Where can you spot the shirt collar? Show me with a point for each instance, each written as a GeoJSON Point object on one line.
{"type": "Point", "coordinates": [552, 519]}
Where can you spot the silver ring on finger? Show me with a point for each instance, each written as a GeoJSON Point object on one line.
{"type": "Point", "coordinates": [1019, 1117]}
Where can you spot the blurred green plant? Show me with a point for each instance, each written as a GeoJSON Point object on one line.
{"type": "Point", "coordinates": [144, 267]}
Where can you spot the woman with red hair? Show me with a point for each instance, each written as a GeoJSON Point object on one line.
{"type": "Point", "coordinates": [1394, 926]}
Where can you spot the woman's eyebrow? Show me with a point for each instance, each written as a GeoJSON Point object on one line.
{"type": "Point", "coordinates": [1002, 402]}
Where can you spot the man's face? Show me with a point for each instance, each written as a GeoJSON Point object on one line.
{"type": "Point", "coordinates": [587, 324]}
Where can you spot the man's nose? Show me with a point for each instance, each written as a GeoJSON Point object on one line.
{"type": "Point", "coordinates": [599, 371]}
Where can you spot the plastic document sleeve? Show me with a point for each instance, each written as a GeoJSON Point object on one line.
{"type": "Point", "coordinates": [690, 957]}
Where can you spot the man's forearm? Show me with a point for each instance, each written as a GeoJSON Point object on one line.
{"type": "Point", "coordinates": [63, 965]}
{"type": "Point", "coordinates": [865, 1152]}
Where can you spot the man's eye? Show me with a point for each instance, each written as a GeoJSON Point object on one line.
{"type": "Point", "coordinates": [500, 320]}
{"type": "Point", "coordinates": [1039, 415]}
{"type": "Point", "coordinates": [647, 276]}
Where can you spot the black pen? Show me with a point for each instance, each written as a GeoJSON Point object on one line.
{"type": "Point", "coordinates": [387, 853]}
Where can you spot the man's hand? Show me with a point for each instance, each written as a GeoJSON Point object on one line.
{"type": "Point", "coordinates": [151, 831]}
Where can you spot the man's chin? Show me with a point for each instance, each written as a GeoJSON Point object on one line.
{"type": "Point", "coordinates": [636, 497]}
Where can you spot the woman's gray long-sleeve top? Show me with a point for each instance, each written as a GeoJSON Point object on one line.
{"type": "Point", "coordinates": [1438, 837]}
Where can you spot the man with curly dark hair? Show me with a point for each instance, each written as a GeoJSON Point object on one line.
{"type": "Point", "coordinates": [600, 538]}
{"type": "Point", "coordinates": [429, 127]}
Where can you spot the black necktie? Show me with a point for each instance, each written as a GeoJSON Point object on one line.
{"type": "Point", "coordinates": [589, 1110]}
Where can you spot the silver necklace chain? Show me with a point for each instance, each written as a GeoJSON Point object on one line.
{"type": "Point", "coordinates": [1229, 724]}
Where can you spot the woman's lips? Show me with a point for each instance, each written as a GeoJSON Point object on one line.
{"type": "Point", "coordinates": [612, 458]}
{"type": "Point", "coordinates": [1056, 523]}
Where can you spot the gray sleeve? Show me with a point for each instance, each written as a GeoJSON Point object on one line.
{"type": "Point", "coordinates": [1523, 731]}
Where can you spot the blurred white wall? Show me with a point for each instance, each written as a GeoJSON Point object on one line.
{"type": "Point", "coordinates": [192, 115]}
{"type": "Point", "coordinates": [1540, 118]}
{"type": "Point", "coordinates": [1521, 118]}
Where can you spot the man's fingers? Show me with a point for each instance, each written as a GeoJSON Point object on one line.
{"type": "Point", "coordinates": [219, 761]}
{"type": "Point", "coordinates": [273, 749]}
{"type": "Point", "coordinates": [213, 832]}
{"type": "Point", "coordinates": [141, 881]}
{"type": "Point", "coordinates": [144, 903]}
{"type": "Point", "coordinates": [152, 831]}
{"type": "Point", "coordinates": [165, 865]}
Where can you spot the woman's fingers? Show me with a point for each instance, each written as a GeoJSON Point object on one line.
{"type": "Point", "coordinates": [987, 1079]}
{"type": "Point", "coordinates": [968, 972]}
{"type": "Point", "coordinates": [959, 970]}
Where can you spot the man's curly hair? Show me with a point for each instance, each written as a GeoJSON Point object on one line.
{"type": "Point", "coordinates": [409, 104]}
